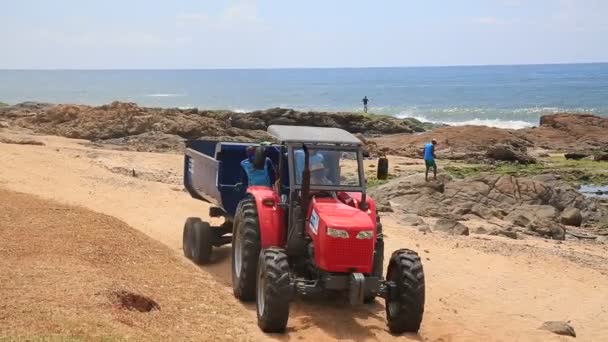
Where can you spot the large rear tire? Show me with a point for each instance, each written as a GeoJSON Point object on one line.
{"type": "Point", "coordinates": [273, 290]}
{"type": "Point", "coordinates": [378, 260]}
{"type": "Point", "coordinates": [404, 311]}
{"type": "Point", "coordinates": [202, 242]}
{"type": "Point", "coordinates": [245, 249]}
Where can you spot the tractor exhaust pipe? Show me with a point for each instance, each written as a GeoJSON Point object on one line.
{"type": "Point", "coordinates": [296, 243]}
{"type": "Point", "coordinates": [305, 181]}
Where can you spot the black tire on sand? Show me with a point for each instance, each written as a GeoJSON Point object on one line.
{"type": "Point", "coordinates": [273, 290]}
{"type": "Point", "coordinates": [404, 314]}
{"type": "Point", "coordinates": [202, 242]}
{"type": "Point", "coordinates": [246, 248]}
{"type": "Point", "coordinates": [187, 236]}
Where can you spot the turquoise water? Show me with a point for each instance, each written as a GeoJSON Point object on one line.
{"type": "Point", "coordinates": [503, 96]}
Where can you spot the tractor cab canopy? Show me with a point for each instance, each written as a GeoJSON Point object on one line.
{"type": "Point", "coordinates": [334, 157]}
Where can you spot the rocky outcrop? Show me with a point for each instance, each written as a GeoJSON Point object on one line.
{"type": "Point", "coordinates": [533, 205]}
{"type": "Point", "coordinates": [120, 120]}
{"type": "Point", "coordinates": [557, 132]}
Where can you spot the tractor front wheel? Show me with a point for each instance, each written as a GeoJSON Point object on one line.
{"type": "Point", "coordinates": [245, 249]}
{"type": "Point", "coordinates": [405, 308]}
{"type": "Point", "coordinates": [273, 290]}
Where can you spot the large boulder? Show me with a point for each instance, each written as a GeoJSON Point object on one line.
{"type": "Point", "coordinates": [571, 217]}
{"type": "Point", "coordinates": [510, 153]}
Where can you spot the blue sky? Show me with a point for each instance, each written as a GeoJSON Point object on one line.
{"type": "Point", "coordinates": [77, 34]}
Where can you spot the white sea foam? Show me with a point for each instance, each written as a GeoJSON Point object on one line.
{"type": "Point", "coordinates": [165, 95]}
{"type": "Point", "coordinates": [508, 124]}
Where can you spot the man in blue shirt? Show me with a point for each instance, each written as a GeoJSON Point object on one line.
{"type": "Point", "coordinates": [429, 159]}
{"type": "Point", "coordinates": [252, 176]}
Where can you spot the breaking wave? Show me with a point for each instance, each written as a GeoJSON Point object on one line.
{"type": "Point", "coordinates": [507, 124]}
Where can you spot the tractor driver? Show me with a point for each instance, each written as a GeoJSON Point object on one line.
{"type": "Point", "coordinates": [318, 175]}
{"type": "Point", "coordinates": [313, 157]}
{"type": "Point", "coordinates": [261, 175]}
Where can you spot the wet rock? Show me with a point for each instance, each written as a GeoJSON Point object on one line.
{"type": "Point", "coordinates": [451, 227]}
{"type": "Point", "coordinates": [559, 328]}
{"type": "Point", "coordinates": [571, 217]}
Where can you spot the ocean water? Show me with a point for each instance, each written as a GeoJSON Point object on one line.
{"type": "Point", "coordinates": [500, 96]}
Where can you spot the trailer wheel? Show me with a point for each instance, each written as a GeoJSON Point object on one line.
{"type": "Point", "coordinates": [378, 260]}
{"type": "Point", "coordinates": [187, 236]}
{"type": "Point", "coordinates": [245, 249]}
{"type": "Point", "coordinates": [273, 290]}
{"type": "Point", "coordinates": [404, 309]}
{"type": "Point", "coordinates": [202, 242]}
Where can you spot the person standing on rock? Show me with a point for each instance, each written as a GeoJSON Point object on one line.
{"type": "Point", "coordinates": [228, 121]}
{"type": "Point", "coordinates": [365, 101]}
{"type": "Point", "coordinates": [429, 159]}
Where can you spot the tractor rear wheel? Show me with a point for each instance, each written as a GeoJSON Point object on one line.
{"type": "Point", "coordinates": [245, 249]}
{"type": "Point", "coordinates": [273, 290]}
{"type": "Point", "coordinates": [378, 259]}
{"type": "Point", "coordinates": [202, 242]}
{"type": "Point", "coordinates": [404, 309]}
{"type": "Point", "coordinates": [187, 236]}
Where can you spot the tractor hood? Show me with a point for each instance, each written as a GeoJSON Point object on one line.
{"type": "Point", "coordinates": [336, 214]}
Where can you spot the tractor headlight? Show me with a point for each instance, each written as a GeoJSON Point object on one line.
{"type": "Point", "coordinates": [365, 234]}
{"type": "Point", "coordinates": [337, 233]}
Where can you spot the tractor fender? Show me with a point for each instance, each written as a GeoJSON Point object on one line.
{"type": "Point", "coordinates": [270, 216]}
{"type": "Point", "coordinates": [354, 199]}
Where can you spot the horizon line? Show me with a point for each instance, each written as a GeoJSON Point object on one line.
{"type": "Point", "coordinates": [303, 68]}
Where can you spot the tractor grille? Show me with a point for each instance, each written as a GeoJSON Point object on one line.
{"type": "Point", "coordinates": [351, 252]}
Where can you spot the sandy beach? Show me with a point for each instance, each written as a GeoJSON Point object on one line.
{"type": "Point", "coordinates": [478, 287]}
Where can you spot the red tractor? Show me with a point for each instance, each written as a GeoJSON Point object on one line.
{"type": "Point", "coordinates": [314, 231]}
